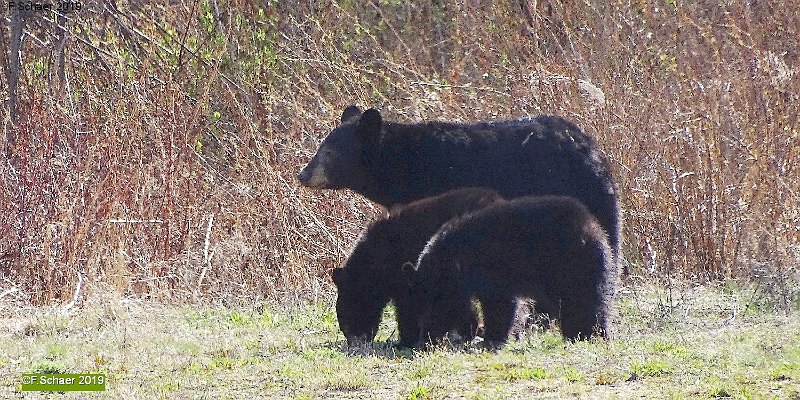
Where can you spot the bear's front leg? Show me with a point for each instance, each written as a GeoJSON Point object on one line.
{"type": "Point", "coordinates": [407, 324]}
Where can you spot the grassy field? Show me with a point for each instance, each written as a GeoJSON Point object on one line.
{"type": "Point", "coordinates": [694, 342]}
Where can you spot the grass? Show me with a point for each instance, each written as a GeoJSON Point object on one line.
{"type": "Point", "coordinates": [703, 347]}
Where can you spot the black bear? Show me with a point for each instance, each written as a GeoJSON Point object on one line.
{"type": "Point", "coordinates": [550, 249]}
{"type": "Point", "coordinates": [392, 163]}
{"type": "Point", "coordinates": [372, 274]}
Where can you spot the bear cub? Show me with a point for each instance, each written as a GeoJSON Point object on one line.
{"type": "Point", "coordinates": [550, 249]}
{"type": "Point", "coordinates": [372, 274]}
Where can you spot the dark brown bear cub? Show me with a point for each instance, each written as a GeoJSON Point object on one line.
{"type": "Point", "coordinates": [550, 249]}
{"type": "Point", "coordinates": [372, 274]}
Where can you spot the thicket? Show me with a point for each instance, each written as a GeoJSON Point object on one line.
{"type": "Point", "coordinates": [151, 147]}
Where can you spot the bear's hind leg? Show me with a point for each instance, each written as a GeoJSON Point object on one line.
{"type": "Point", "coordinates": [498, 318]}
{"type": "Point", "coordinates": [469, 322]}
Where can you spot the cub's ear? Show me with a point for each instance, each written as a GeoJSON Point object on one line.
{"type": "Point", "coordinates": [370, 123]}
{"type": "Point", "coordinates": [350, 112]}
{"type": "Point", "coordinates": [339, 276]}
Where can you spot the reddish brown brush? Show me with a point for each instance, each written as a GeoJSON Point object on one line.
{"type": "Point", "coordinates": [155, 149]}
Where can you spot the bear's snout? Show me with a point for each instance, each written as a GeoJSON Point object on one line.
{"type": "Point", "coordinates": [303, 176]}
{"type": "Point", "coordinates": [313, 176]}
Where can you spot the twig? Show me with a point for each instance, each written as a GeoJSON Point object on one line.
{"type": "Point", "coordinates": [8, 292]}
{"type": "Point", "coordinates": [76, 295]}
{"type": "Point", "coordinates": [17, 29]}
{"type": "Point", "coordinates": [135, 221]}
{"type": "Point", "coordinates": [467, 86]}
{"type": "Point", "coordinates": [206, 257]}
{"type": "Point", "coordinates": [208, 236]}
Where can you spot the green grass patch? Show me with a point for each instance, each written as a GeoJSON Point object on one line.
{"type": "Point", "coordinates": [418, 393]}
{"type": "Point", "coordinates": [650, 369]}
{"type": "Point", "coordinates": [153, 351]}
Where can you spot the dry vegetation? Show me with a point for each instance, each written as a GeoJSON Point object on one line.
{"type": "Point", "coordinates": [153, 148]}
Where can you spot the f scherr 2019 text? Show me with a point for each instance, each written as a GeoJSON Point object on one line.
{"type": "Point", "coordinates": [59, 6]}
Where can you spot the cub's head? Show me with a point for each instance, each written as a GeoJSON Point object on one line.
{"type": "Point", "coordinates": [358, 306]}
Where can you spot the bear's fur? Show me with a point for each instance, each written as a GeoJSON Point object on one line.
{"type": "Point", "coordinates": [392, 163]}
{"type": "Point", "coordinates": [550, 249]}
{"type": "Point", "coordinates": [372, 274]}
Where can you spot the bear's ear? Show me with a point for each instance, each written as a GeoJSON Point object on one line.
{"type": "Point", "coordinates": [339, 276]}
{"type": "Point", "coordinates": [350, 112]}
{"type": "Point", "coordinates": [370, 123]}
{"type": "Point", "coordinates": [371, 118]}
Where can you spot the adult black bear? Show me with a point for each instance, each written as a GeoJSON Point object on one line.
{"type": "Point", "coordinates": [392, 163]}
{"type": "Point", "coordinates": [550, 249]}
{"type": "Point", "coordinates": [372, 274]}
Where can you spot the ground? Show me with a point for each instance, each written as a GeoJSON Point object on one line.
{"type": "Point", "coordinates": [695, 342]}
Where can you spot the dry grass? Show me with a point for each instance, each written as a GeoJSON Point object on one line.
{"type": "Point", "coordinates": [158, 155]}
